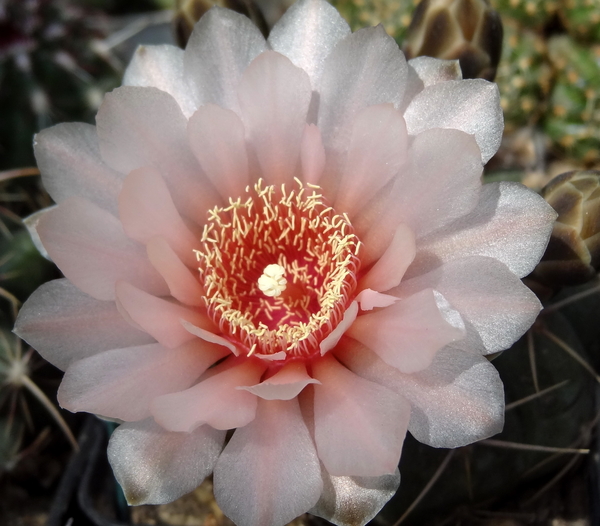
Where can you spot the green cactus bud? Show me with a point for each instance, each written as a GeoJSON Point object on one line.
{"type": "Point", "coordinates": [188, 12]}
{"type": "Point", "coordinates": [467, 30]}
{"type": "Point", "coordinates": [582, 19]}
{"type": "Point", "coordinates": [573, 253]}
{"type": "Point", "coordinates": [574, 107]}
{"type": "Point", "coordinates": [524, 77]}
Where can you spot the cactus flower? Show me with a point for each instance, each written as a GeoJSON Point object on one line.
{"type": "Point", "coordinates": [288, 239]}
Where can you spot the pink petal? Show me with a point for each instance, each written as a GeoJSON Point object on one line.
{"type": "Point", "coordinates": [347, 501]}
{"type": "Point", "coordinates": [220, 48]}
{"type": "Point", "coordinates": [65, 152]}
{"type": "Point", "coordinates": [510, 223]}
{"type": "Point", "coordinates": [65, 325]}
{"type": "Point", "coordinates": [376, 151]}
{"type": "Point", "coordinates": [433, 164]}
{"type": "Point", "coordinates": [359, 425]}
{"type": "Point", "coordinates": [145, 127]}
{"type": "Point", "coordinates": [121, 383]}
{"type": "Point", "coordinates": [90, 248]}
{"type": "Point", "coordinates": [269, 472]}
{"type": "Point", "coordinates": [160, 67]}
{"type": "Point", "coordinates": [472, 106]}
{"type": "Point", "coordinates": [209, 336]}
{"type": "Point", "coordinates": [409, 333]}
{"type": "Point", "coordinates": [217, 139]}
{"type": "Point", "coordinates": [388, 270]}
{"type": "Point", "coordinates": [157, 316]}
{"type": "Point", "coordinates": [154, 466]}
{"type": "Point", "coordinates": [286, 384]}
{"type": "Point", "coordinates": [274, 97]}
{"type": "Point", "coordinates": [364, 69]}
{"type": "Point", "coordinates": [307, 33]}
{"type": "Point", "coordinates": [147, 210]}
{"type": "Point", "coordinates": [334, 337]}
{"type": "Point", "coordinates": [496, 307]}
{"type": "Point", "coordinates": [312, 154]}
{"type": "Point", "coordinates": [183, 284]}
{"type": "Point", "coordinates": [215, 401]}
{"type": "Point", "coordinates": [369, 299]}
{"type": "Point", "coordinates": [457, 400]}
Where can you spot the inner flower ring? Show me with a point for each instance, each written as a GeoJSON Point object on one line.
{"type": "Point", "coordinates": [278, 268]}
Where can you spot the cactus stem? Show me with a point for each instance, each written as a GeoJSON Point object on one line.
{"type": "Point", "coordinates": [572, 353]}
{"type": "Point", "coordinates": [570, 299]}
{"type": "Point", "coordinates": [532, 447]}
{"type": "Point", "coordinates": [18, 172]}
{"type": "Point", "coordinates": [531, 350]}
{"type": "Point", "coordinates": [43, 399]}
{"type": "Point", "coordinates": [553, 481]}
{"type": "Point", "coordinates": [535, 395]}
{"type": "Point", "coordinates": [427, 487]}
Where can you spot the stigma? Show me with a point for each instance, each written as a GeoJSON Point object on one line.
{"type": "Point", "coordinates": [272, 283]}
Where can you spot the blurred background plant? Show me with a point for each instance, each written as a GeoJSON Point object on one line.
{"type": "Point", "coordinates": [58, 58]}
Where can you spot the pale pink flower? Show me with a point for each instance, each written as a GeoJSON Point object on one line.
{"type": "Point", "coordinates": [290, 239]}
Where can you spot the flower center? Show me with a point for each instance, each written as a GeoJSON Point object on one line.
{"type": "Point", "coordinates": [278, 268]}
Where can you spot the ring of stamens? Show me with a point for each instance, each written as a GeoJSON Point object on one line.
{"type": "Point", "coordinates": [278, 269]}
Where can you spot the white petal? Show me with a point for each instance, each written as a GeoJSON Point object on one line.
{"type": "Point", "coordinates": [365, 68]}
{"type": "Point", "coordinates": [145, 127]}
{"type": "Point", "coordinates": [433, 70]}
{"type": "Point", "coordinates": [218, 142]}
{"type": "Point", "coordinates": [89, 246]}
{"type": "Point", "coordinates": [457, 400]}
{"type": "Point", "coordinates": [160, 67]}
{"type": "Point", "coordinates": [220, 48]}
{"type": "Point", "coordinates": [274, 97]}
{"type": "Point", "coordinates": [285, 384]}
{"type": "Point", "coordinates": [269, 472]}
{"type": "Point", "coordinates": [63, 324]}
{"type": "Point", "coordinates": [312, 154]}
{"type": "Point", "coordinates": [155, 466]}
{"type": "Point", "coordinates": [69, 158]}
{"type": "Point", "coordinates": [307, 33]}
{"type": "Point", "coordinates": [349, 501]}
{"type": "Point", "coordinates": [121, 383]}
{"type": "Point", "coordinates": [496, 307]}
{"type": "Point", "coordinates": [359, 425]}
{"type": "Point", "coordinates": [511, 223]}
{"type": "Point", "coordinates": [472, 106]}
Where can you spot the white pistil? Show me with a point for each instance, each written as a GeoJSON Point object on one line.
{"type": "Point", "coordinates": [272, 283]}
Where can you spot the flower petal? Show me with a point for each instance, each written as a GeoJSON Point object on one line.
{"type": "Point", "coordinates": [274, 97]}
{"type": "Point", "coordinates": [269, 473]}
{"type": "Point", "coordinates": [218, 142]}
{"type": "Point", "coordinates": [307, 33]}
{"type": "Point", "coordinates": [286, 384]}
{"type": "Point", "coordinates": [371, 419]}
{"type": "Point", "coordinates": [90, 248]}
{"type": "Point", "coordinates": [154, 466]}
{"type": "Point", "coordinates": [145, 127]}
{"type": "Point", "coordinates": [433, 70]}
{"type": "Point", "coordinates": [348, 501]}
{"type": "Point", "coordinates": [220, 48]}
{"type": "Point", "coordinates": [215, 401]}
{"type": "Point", "coordinates": [121, 383]}
{"type": "Point", "coordinates": [457, 400]}
{"type": "Point", "coordinates": [312, 154]}
{"type": "Point", "coordinates": [472, 106]}
{"type": "Point", "coordinates": [183, 284]}
{"type": "Point", "coordinates": [157, 316]}
{"type": "Point", "coordinates": [496, 307]}
{"type": "Point", "coordinates": [160, 67]}
{"type": "Point", "coordinates": [511, 224]}
{"type": "Point", "coordinates": [364, 69]}
{"type": "Point", "coordinates": [388, 270]}
{"type": "Point", "coordinates": [334, 336]}
{"type": "Point", "coordinates": [146, 210]}
{"type": "Point", "coordinates": [67, 151]}
{"type": "Point", "coordinates": [409, 333]}
{"type": "Point", "coordinates": [376, 152]}
{"type": "Point", "coordinates": [65, 325]}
